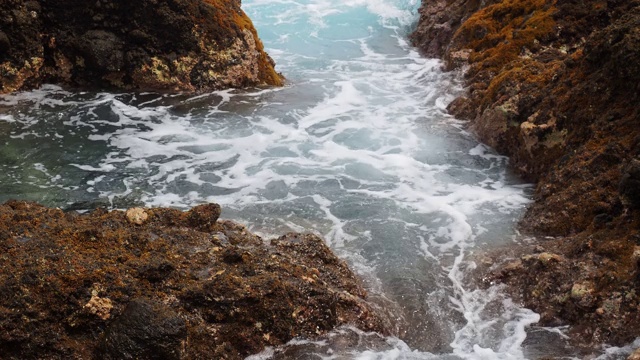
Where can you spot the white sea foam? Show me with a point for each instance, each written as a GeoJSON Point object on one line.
{"type": "Point", "coordinates": [615, 352]}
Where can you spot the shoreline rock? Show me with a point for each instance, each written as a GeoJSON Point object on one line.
{"type": "Point", "coordinates": [555, 86]}
{"type": "Point", "coordinates": [160, 45]}
{"type": "Point", "coordinates": [181, 284]}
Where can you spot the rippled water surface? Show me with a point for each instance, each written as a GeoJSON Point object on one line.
{"type": "Point", "coordinates": [357, 147]}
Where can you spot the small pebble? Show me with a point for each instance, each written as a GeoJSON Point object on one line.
{"type": "Point", "coordinates": [137, 216]}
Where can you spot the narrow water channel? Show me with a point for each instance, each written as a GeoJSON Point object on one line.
{"type": "Point", "coordinates": [357, 147]}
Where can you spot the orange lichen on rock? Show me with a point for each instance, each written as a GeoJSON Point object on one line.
{"type": "Point", "coordinates": [501, 33]}
{"type": "Point", "coordinates": [506, 46]}
{"type": "Point", "coordinates": [525, 71]}
{"type": "Point", "coordinates": [267, 73]}
{"type": "Point", "coordinates": [176, 45]}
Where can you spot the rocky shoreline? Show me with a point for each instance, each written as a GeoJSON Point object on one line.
{"type": "Point", "coordinates": [161, 283]}
{"type": "Point", "coordinates": [153, 283]}
{"type": "Point", "coordinates": [147, 45]}
{"type": "Point", "coordinates": [556, 86]}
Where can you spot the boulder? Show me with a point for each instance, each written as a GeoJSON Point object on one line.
{"type": "Point", "coordinates": [175, 45]}
{"type": "Point", "coordinates": [178, 285]}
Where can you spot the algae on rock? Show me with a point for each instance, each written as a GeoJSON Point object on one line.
{"type": "Point", "coordinates": [184, 285]}
{"type": "Point", "coordinates": [175, 45]}
{"type": "Point", "coordinates": [555, 86]}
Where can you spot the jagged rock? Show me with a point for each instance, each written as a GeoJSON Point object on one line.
{"type": "Point", "coordinates": [179, 285]}
{"type": "Point", "coordinates": [615, 50]}
{"type": "Point", "coordinates": [582, 293]}
{"type": "Point", "coordinates": [101, 307]}
{"type": "Point", "coordinates": [555, 86]}
{"type": "Point", "coordinates": [202, 217]}
{"type": "Point", "coordinates": [439, 21]}
{"type": "Point", "coordinates": [191, 45]}
{"type": "Point", "coordinates": [544, 258]}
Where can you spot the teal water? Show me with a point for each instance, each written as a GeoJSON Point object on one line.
{"type": "Point", "coordinates": [357, 148]}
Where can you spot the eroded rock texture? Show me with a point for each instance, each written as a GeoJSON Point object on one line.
{"type": "Point", "coordinates": [190, 45]}
{"type": "Point", "coordinates": [556, 86]}
{"type": "Point", "coordinates": [439, 21]}
{"type": "Point", "coordinates": [168, 285]}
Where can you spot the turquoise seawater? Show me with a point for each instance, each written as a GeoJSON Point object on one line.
{"type": "Point", "coordinates": [357, 148]}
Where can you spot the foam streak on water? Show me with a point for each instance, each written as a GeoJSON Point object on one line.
{"type": "Point", "coordinates": [357, 147]}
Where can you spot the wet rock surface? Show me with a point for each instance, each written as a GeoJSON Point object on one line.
{"type": "Point", "coordinates": [439, 21]}
{"type": "Point", "coordinates": [145, 330]}
{"type": "Point", "coordinates": [190, 45]}
{"type": "Point", "coordinates": [179, 285]}
{"type": "Point", "coordinates": [553, 85]}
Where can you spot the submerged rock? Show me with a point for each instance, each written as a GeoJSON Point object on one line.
{"type": "Point", "coordinates": [179, 285]}
{"type": "Point", "coordinates": [190, 45]}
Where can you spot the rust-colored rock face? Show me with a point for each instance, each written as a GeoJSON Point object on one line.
{"type": "Point", "coordinates": [161, 283]}
{"type": "Point", "coordinates": [556, 86]}
{"type": "Point", "coordinates": [439, 21]}
{"type": "Point", "coordinates": [188, 45]}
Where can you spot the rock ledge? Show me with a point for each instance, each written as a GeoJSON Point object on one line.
{"type": "Point", "coordinates": [170, 285]}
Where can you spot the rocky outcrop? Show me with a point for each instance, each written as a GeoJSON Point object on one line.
{"type": "Point", "coordinates": [555, 85]}
{"type": "Point", "coordinates": [439, 21]}
{"type": "Point", "coordinates": [189, 45]}
{"type": "Point", "coordinates": [163, 284]}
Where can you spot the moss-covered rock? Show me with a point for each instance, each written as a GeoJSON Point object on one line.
{"type": "Point", "coordinates": [166, 284]}
{"type": "Point", "coordinates": [439, 21]}
{"type": "Point", "coordinates": [189, 45]}
{"type": "Point", "coordinates": [555, 85]}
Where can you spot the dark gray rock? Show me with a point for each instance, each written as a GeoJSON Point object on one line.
{"type": "Point", "coordinates": [630, 184]}
{"type": "Point", "coordinates": [145, 330]}
{"type": "Point", "coordinates": [187, 45]}
{"type": "Point", "coordinates": [439, 21]}
{"type": "Point", "coordinates": [102, 50]}
{"type": "Point", "coordinates": [5, 43]}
